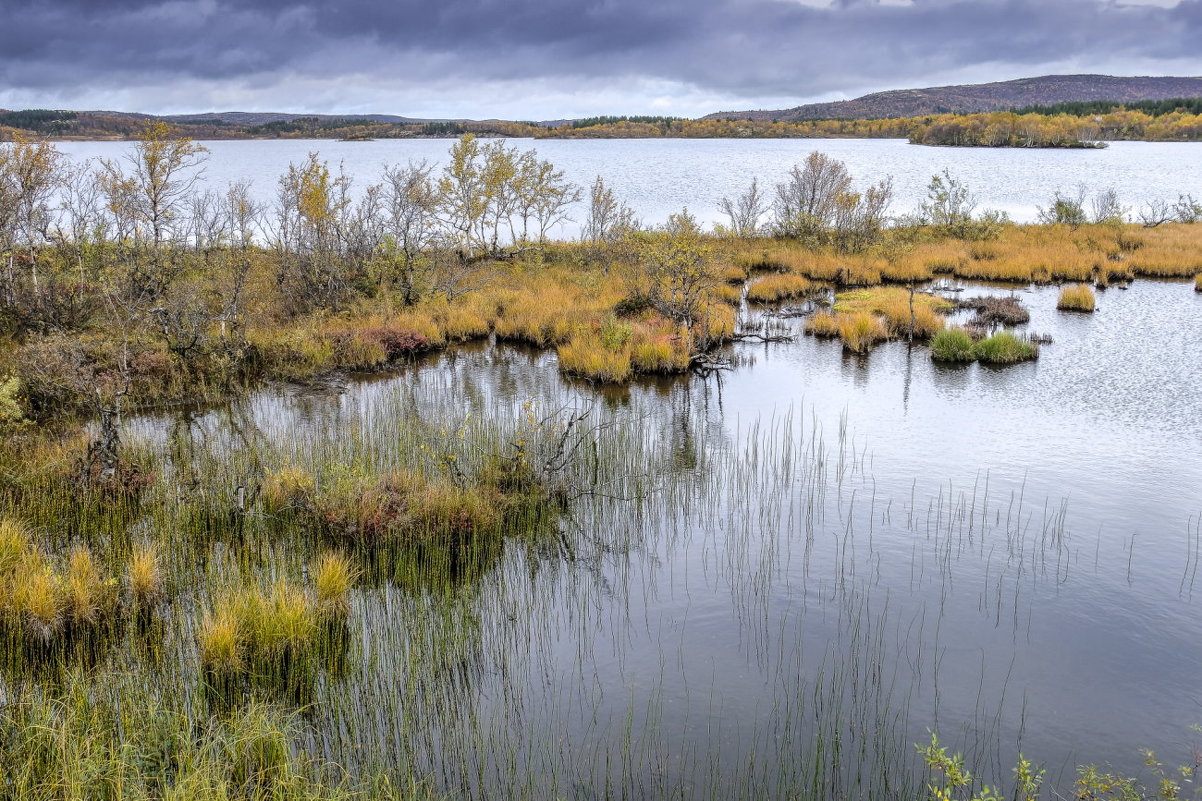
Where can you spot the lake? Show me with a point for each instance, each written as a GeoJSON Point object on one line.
{"type": "Point", "coordinates": [822, 557]}
{"type": "Point", "coordinates": [657, 177]}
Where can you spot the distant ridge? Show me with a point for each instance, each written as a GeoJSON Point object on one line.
{"type": "Point", "coordinates": [266, 117]}
{"type": "Point", "coordinates": [1043, 91]}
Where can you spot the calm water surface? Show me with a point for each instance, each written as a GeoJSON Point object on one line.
{"type": "Point", "coordinates": [1005, 555]}
{"type": "Point", "coordinates": [657, 177]}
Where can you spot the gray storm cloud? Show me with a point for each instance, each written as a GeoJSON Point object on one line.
{"type": "Point", "coordinates": [730, 48]}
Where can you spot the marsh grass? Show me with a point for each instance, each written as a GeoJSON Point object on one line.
{"type": "Point", "coordinates": [1078, 298]}
{"type": "Point", "coordinates": [775, 288]}
{"type": "Point", "coordinates": [860, 331]}
{"type": "Point", "coordinates": [1005, 348]}
{"type": "Point", "coordinates": [953, 345]}
{"type": "Point", "coordinates": [90, 744]}
{"type": "Point", "coordinates": [1198, 282]}
{"type": "Point", "coordinates": [893, 305]}
{"type": "Point", "coordinates": [823, 324]}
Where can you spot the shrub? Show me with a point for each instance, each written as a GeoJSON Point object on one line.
{"type": "Point", "coordinates": [996, 311]}
{"type": "Point", "coordinates": [11, 409]}
{"type": "Point", "coordinates": [1076, 298]}
{"type": "Point", "coordinates": [952, 345]}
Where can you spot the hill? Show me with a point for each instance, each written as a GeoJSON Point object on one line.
{"type": "Point", "coordinates": [1045, 90]}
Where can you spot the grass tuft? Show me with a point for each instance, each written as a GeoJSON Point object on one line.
{"type": "Point", "coordinates": [860, 331]}
{"type": "Point", "coordinates": [145, 576]}
{"type": "Point", "coordinates": [1005, 348]}
{"type": "Point", "coordinates": [952, 345]}
{"type": "Point", "coordinates": [1078, 298]}
{"type": "Point", "coordinates": [333, 576]}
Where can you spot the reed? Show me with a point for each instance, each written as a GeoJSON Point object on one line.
{"type": "Point", "coordinates": [1079, 298]}
{"type": "Point", "coordinates": [1198, 282]}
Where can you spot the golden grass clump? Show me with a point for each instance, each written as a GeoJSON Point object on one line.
{"type": "Point", "coordinates": [914, 267]}
{"type": "Point", "coordinates": [716, 324]}
{"type": "Point", "coordinates": [893, 304]}
{"type": "Point", "coordinates": [942, 257]}
{"type": "Point", "coordinates": [287, 487]}
{"type": "Point", "coordinates": [590, 358]}
{"type": "Point", "coordinates": [729, 294]}
{"type": "Point", "coordinates": [1078, 298]}
{"type": "Point", "coordinates": [860, 331]}
{"type": "Point", "coordinates": [735, 272]}
{"type": "Point", "coordinates": [86, 593]}
{"type": "Point", "coordinates": [463, 322]}
{"type": "Point", "coordinates": [823, 324]}
{"type": "Point", "coordinates": [145, 576]}
{"type": "Point", "coordinates": [37, 597]}
{"type": "Point", "coordinates": [14, 545]}
{"type": "Point", "coordinates": [1198, 282]}
{"type": "Point", "coordinates": [658, 346]}
{"type": "Point", "coordinates": [334, 577]}
{"type": "Point", "coordinates": [219, 640]}
{"type": "Point", "coordinates": [257, 630]}
{"type": "Point", "coordinates": [782, 286]}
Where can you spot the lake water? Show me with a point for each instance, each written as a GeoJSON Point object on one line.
{"type": "Point", "coordinates": [842, 553]}
{"type": "Point", "coordinates": [657, 177]}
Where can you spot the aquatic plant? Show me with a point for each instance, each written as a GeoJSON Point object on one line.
{"type": "Point", "coordinates": [1076, 298]}
{"type": "Point", "coordinates": [823, 324]}
{"type": "Point", "coordinates": [1004, 348]}
{"type": "Point", "coordinates": [860, 331]}
{"type": "Point", "coordinates": [953, 345]}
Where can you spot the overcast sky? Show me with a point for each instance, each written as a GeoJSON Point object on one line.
{"type": "Point", "coordinates": [544, 59]}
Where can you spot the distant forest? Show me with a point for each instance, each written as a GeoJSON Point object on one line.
{"type": "Point", "coordinates": [1074, 124]}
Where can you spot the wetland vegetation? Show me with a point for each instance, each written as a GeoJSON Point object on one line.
{"type": "Point", "coordinates": [207, 593]}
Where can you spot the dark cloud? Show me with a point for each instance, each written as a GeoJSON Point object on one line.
{"type": "Point", "coordinates": [718, 48]}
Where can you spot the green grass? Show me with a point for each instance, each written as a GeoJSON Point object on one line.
{"type": "Point", "coordinates": [1005, 348]}
{"type": "Point", "coordinates": [953, 345]}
